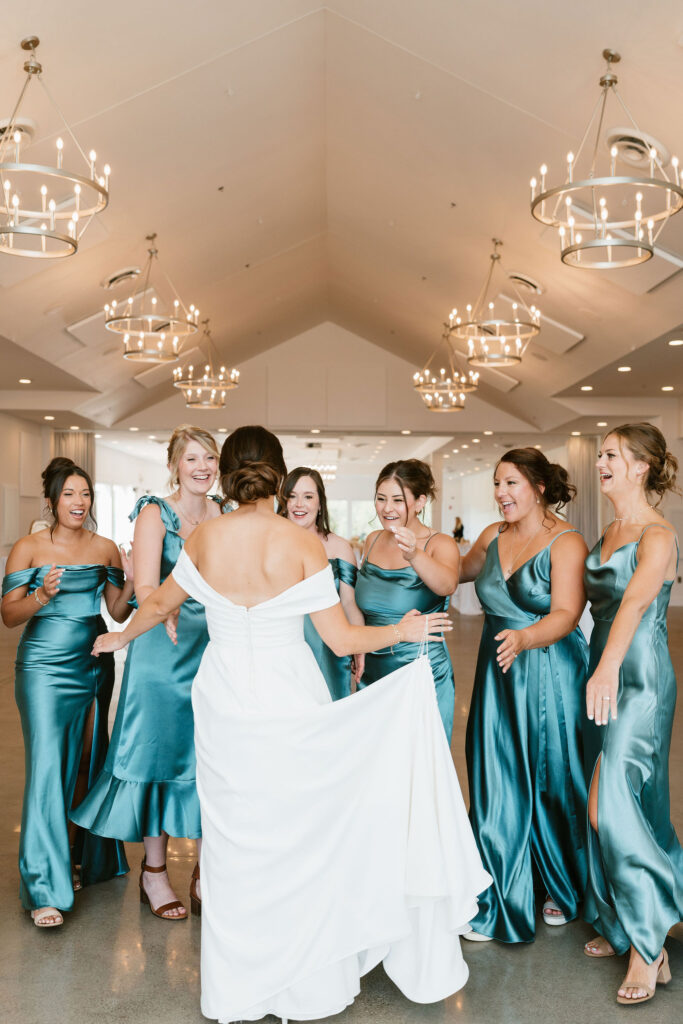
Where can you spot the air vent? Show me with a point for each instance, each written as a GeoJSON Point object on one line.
{"type": "Point", "coordinates": [119, 276]}
{"type": "Point", "coordinates": [314, 444]}
{"type": "Point", "coordinates": [25, 125]}
{"type": "Point", "coordinates": [526, 283]}
{"type": "Point", "coordinates": [633, 146]}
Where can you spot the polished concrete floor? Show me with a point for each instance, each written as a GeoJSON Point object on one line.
{"type": "Point", "coordinates": [113, 963]}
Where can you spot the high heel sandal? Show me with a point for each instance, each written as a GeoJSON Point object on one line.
{"type": "Point", "coordinates": [663, 978]}
{"type": "Point", "coordinates": [160, 911]}
{"type": "Point", "coordinates": [195, 900]}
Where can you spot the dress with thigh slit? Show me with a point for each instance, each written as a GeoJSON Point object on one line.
{"type": "Point", "coordinates": [56, 683]}
{"type": "Point", "coordinates": [525, 756]}
{"type": "Point", "coordinates": [635, 862]}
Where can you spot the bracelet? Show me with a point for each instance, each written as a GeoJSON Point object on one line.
{"type": "Point", "coordinates": [43, 604]}
{"type": "Point", "coordinates": [397, 635]}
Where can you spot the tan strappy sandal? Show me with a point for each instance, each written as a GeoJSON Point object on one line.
{"type": "Point", "coordinates": [601, 948]}
{"type": "Point", "coordinates": [41, 915]}
{"type": "Point", "coordinates": [195, 900]}
{"type": "Point", "coordinates": [663, 978]}
{"type": "Point", "coordinates": [162, 910]}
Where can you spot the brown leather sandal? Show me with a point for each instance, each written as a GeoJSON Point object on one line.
{"type": "Point", "coordinates": [160, 911]}
{"type": "Point", "coordinates": [195, 900]}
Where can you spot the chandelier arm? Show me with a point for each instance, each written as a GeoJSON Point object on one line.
{"type": "Point", "coordinates": [64, 120]}
{"type": "Point", "coordinates": [175, 292]}
{"type": "Point", "coordinates": [558, 201]}
{"type": "Point", "coordinates": [605, 90]}
{"type": "Point", "coordinates": [481, 298]}
{"type": "Point", "coordinates": [145, 284]}
{"type": "Point", "coordinates": [8, 131]}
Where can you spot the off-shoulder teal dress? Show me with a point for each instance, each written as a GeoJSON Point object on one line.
{"type": "Point", "coordinates": [147, 785]}
{"type": "Point", "coordinates": [635, 862]}
{"type": "Point", "coordinates": [384, 596]}
{"type": "Point", "coordinates": [56, 683]}
{"type": "Point", "coordinates": [337, 671]}
{"type": "Point", "coordinates": [525, 757]}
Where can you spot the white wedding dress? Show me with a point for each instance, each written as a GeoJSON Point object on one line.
{"type": "Point", "coordinates": [335, 834]}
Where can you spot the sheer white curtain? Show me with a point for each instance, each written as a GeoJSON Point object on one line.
{"type": "Point", "coordinates": [77, 445]}
{"type": "Point", "coordinates": [584, 510]}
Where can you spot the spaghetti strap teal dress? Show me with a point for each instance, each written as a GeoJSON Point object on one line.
{"type": "Point", "coordinates": [525, 757]}
{"type": "Point", "coordinates": [384, 596]}
{"type": "Point", "coordinates": [337, 671]}
{"type": "Point", "coordinates": [635, 862]}
{"type": "Point", "coordinates": [147, 785]}
{"type": "Point", "coordinates": [57, 682]}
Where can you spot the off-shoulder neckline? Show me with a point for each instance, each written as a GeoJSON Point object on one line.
{"type": "Point", "coordinates": [259, 604]}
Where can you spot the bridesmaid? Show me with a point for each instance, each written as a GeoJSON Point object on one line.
{"type": "Point", "coordinates": [146, 790]}
{"type": "Point", "coordinates": [412, 567]}
{"type": "Point", "coordinates": [55, 580]}
{"type": "Point", "coordinates": [524, 750]}
{"type": "Point", "coordinates": [306, 505]}
{"type": "Point", "coordinates": [635, 861]}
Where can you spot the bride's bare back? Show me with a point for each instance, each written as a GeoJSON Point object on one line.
{"type": "Point", "coordinates": [251, 555]}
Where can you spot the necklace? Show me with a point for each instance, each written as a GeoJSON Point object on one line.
{"type": "Point", "coordinates": [625, 519]}
{"type": "Point", "coordinates": [507, 573]}
{"type": "Point", "coordinates": [192, 522]}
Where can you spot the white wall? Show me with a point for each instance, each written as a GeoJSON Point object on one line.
{"type": "Point", "coordinates": [21, 485]}
{"type": "Point", "coordinates": [115, 467]}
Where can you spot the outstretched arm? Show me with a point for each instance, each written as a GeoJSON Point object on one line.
{"type": "Point", "coordinates": [160, 603]}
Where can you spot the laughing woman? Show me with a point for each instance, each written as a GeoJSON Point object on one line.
{"type": "Point", "coordinates": [306, 505]}
{"type": "Point", "coordinates": [412, 566]}
{"type": "Point", "coordinates": [55, 580]}
{"type": "Point", "coordinates": [524, 733]}
{"type": "Point", "coordinates": [635, 861]}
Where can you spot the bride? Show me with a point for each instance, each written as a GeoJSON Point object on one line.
{"type": "Point", "coordinates": [335, 834]}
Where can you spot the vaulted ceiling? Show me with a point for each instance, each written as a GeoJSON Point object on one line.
{"type": "Point", "coordinates": [346, 162]}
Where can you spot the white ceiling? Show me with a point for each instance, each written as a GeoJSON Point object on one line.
{"type": "Point", "coordinates": [348, 162]}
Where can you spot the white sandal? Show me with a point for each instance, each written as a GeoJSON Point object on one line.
{"type": "Point", "coordinates": [473, 936]}
{"type": "Point", "coordinates": [553, 919]}
{"type": "Point", "coordinates": [41, 915]}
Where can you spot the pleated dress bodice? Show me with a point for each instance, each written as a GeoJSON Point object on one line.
{"type": "Point", "coordinates": [337, 671]}
{"type": "Point", "coordinates": [525, 756]}
{"type": "Point", "coordinates": [57, 681]}
{"type": "Point", "coordinates": [384, 596]}
{"type": "Point", "coordinates": [635, 890]}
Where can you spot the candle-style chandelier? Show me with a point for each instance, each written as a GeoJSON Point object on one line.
{"type": "Point", "coordinates": [494, 337]}
{"type": "Point", "coordinates": [151, 334]}
{"type": "Point", "coordinates": [446, 390]}
{"type": "Point", "coordinates": [206, 390]}
{"type": "Point", "coordinates": [608, 220]}
{"type": "Point", "coordinates": [45, 208]}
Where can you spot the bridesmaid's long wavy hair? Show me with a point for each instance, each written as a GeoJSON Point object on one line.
{"type": "Point", "coordinates": [54, 476]}
{"type": "Point", "coordinates": [251, 466]}
{"type": "Point", "coordinates": [322, 520]}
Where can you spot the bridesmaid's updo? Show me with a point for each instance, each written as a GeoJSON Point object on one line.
{"type": "Point", "coordinates": [648, 444]}
{"type": "Point", "coordinates": [550, 480]}
{"type": "Point", "coordinates": [410, 473]}
{"type": "Point", "coordinates": [55, 475]}
{"type": "Point", "coordinates": [251, 465]}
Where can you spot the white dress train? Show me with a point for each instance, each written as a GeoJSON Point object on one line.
{"type": "Point", "coordinates": [335, 834]}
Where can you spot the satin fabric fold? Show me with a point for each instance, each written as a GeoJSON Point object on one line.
{"type": "Point", "coordinates": [147, 785]}
{"type": "Point", "coordinates": [525, 757]}
{"type": "Point", "coordinates": [56, 682]}
{"type": "Point", "coordinates": [635, 877]}
{"type": "Point", "coordinates": [337, 671]}
{"type": "Point", "coordinates": [384, 596]}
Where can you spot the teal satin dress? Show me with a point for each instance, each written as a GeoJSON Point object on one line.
{"type": "Point", "coordinates": [147, 785]}
{"type": "Point", "coordinates": [525, 757]}
{"type": "Point", "coordinates": [337, 671]}
{"type": "Point", "coordinates": [384, 596]}
{"type": "Point", "coordinates": [56, 682]}
{"type": "Point", "coordinates": [635, 863]}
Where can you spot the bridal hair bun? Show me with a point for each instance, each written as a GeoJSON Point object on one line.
{"type": "Point", "coordinates": [55, 475]}
{"type": "Point", "coordinates": [252, 465]}
{"type": "Point", "coordinates": [648, 444]}
{"type": "Point", "coordinates": [550, 480]}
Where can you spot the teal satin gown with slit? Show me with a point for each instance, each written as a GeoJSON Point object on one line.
{"type": "Point", "coordinates": [525, 757]}
{"type": "Point", "coordinates": [337, 671]}
{"type": "Point", "coordinates": [57, 682]}
{"type": "Point", "coordinates": [147, 785]}
{"type": "Point", "coordinates": [384, 596]}
{"type": "Point", "coordinates": [635, 862]}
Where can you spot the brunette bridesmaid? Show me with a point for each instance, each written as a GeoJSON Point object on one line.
{"type": "Point", "coordinates": [146, 790]}
{"type": "Point", "coordinates": [54, 583]}
{"type": "Point", "coordinates": [524, 733]}
{"type": "Point", "coordinates": [635, 861]}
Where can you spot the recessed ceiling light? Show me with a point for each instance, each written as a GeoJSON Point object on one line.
{"type": "Point", "coordinates": [455, 450]}
{"type": "Point", "coordinates": [576, 433]}
{"type": "Point", "coordinates": [222, 430]}
{"type": "Point", "coordinates": [476, 469]}
{"type": "Point", "coordinates": [539, 446]}
{"type": "Point", "coordinates": [586, 387]}
{"type": "Point", "coordinates": [24, 380]}
{"type": "Point", "coordinates": [624, 369]}
{"type": "Point", "coordinates": [602, 423]}
{"type": "Point", "coordinates": [446, 456]}
{"type": "Point", "coordinates": [151, 437]}
{"type": "Point", "coordinates": [134, 429]}
{"type": "Point", "coordinates": [98, 437]}
{"type": "Point", "coordinates": [406, 431]}
{"type": "Point", "coordinates": [476, 440]}
{"type": "Point", "coordinates": [315, 430]}
{"type": "Point", "coordinates": [676, 341]}
{"type": "Point", "coordinates": [48, 417]}
{"type": "Point", "coordinates": [74, 428]}
{"type": "Point", "coordinates": [488, 433]}
{"type": "Point", "coordinates": [465, 446]}
{"type": "Point", "coordinates": [668, 387]}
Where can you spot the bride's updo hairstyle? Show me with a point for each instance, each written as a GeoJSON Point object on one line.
{"type": "Point", "coordinates": [412, 474]}
{"type": "Point", "coordinates": [549, 480]}
{"type": "Point", "coordinates": [252, 465]}
{"type": "Point", "coordinates": [648, 444]}
{"type": "Point", "coordinates": [54, 476]}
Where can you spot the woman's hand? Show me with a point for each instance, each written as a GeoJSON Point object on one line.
{"type": "Point", "coordinates": [413, 627]}
{"type": "Point", "coordinates": [601, 695]}
{"type": "Point", "coordinates": [407, 542]}
{"type": "Point", "coordinates": [171, 625]}
{"type": "Point", "coordinates": [105, 643]}
{"type": "Point", "coordinates": [127, 562]}
{"type": "Point", "coordinates": [512, 642]}
{"type": "Point", "coordinates": [357, 667]}
{"type": "Point", "coordinates": [50, 584]}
